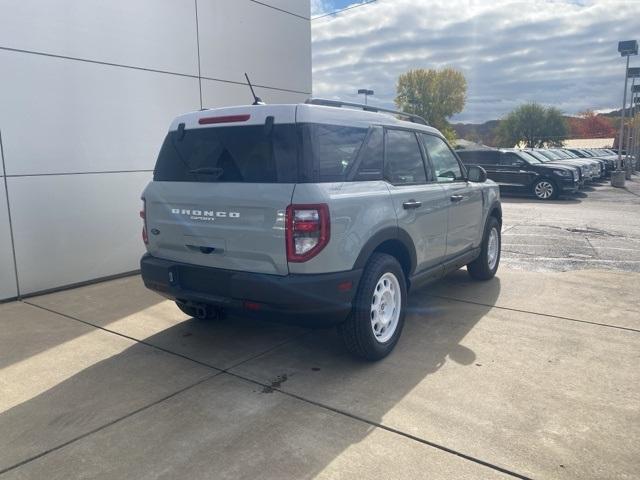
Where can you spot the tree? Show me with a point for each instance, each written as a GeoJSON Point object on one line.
{"type": "Point", "coordinates": [533, 124]}
{"type": "Point", "coordinates": [435, 95]}
{"type": "Point", "coordinates": [590, 125]}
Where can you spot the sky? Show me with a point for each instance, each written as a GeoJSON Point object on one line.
{"type": "Point", "coordinates": [555, 52]}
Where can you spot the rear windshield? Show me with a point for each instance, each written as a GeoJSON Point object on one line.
{"type": "Point", "coordinates": [230, 154]}
{"type": "Point", "coordinates": [289, 153]}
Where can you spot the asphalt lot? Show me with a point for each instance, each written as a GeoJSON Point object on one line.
{"type": "Point", "coordinates": [599, 227]}
{"type": "Point", "coordinates": [531, 375]}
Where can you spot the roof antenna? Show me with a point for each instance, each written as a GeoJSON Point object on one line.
{"type": "Point", "coordinates": [256, 100]}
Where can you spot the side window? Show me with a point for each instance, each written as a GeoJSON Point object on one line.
{"type": "Point", "coordinates": [488, 158]}
{"type": "Point", "coordinates": [468, 158]}
{"type": "Point", "coordinates": [511, 160]}
{"type": "Point", "coordinates": [403, 162]}
{"type": "Point", "coordinates": [444, 162]}
{"type": "Point", "coordinates": [370, 167]}
{"type": "Point", "coordinates": [333, 148]}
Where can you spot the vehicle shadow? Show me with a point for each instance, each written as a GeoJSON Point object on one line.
{"type": "Point", "coordinates": [20, 346]}
{"type": "Point", "coordinates": [562, 200]}
{"type": "Point", "coordinates": [312, 366]}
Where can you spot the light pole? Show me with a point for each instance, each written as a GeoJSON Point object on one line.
{"type": "Point", "coordinates": [635, 90]}
{"type": "Point", "coordinates": [626, 49]}
{"type": "Point", "coordinates": [366, 93]}
{"type": "Point", "coordinates": [632, 73]}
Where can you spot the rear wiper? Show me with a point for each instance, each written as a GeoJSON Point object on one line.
{"type": "Point", "coordinates": [208, 171]}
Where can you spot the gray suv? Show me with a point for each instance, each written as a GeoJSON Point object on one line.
{"type": "Point", "coordinates": [314, 213]}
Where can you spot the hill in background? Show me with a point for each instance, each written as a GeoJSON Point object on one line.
{"type": "Point", "coordinates": [601, 125]}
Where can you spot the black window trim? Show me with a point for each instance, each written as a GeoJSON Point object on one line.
{"type": "Point", "coordinates": [420, 149]}
{"type": "Point", "coordinates": [355, 170]}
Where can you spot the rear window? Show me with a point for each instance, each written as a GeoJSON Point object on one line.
{"type": "Point", "coordinates": [330, 151]}
{"type": "Point", "coordinates": [230, 154]}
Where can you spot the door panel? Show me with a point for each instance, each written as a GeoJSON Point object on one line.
{"type": "Point", "coordinates": [465, 216]}
{"type": "Point", "coordinates": [420, 206]}
{"type": "Point", "coordinates": [426, 223]}
{"type": "Point", "coordinates": [513, 171]}
{"type": "Point", "coordinates": [464, 199]}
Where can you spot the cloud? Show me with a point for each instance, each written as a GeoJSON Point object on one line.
{"type": "Point", "coordinates": [318, 7]}
{"type": "Point", "coordinates": [556, 52]}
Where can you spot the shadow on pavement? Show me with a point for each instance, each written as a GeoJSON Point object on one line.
{"type": "Point", "coordinates": [28, 330]}
{"type": "Point", "coordinates": [315, 364]}
{"type": "Point", "coordinates": [562, 200]}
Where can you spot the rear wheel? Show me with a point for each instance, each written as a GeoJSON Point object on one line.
{"type": "Point", "coordinates": [545, 189]}
{"type": "Point", "coordinates": [375, 323]}
{"type": "Point", "coordinates": [486, 265]}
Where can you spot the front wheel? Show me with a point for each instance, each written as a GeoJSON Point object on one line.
{"type": "Point", "coordinates": [545, 189]}
{"type": "Point", "coordinates": [486, 265]}
{"type": "Point", "coordinates": [375, 323]}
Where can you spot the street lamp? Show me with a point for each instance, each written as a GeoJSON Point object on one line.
{"type": "Point", "coordinates": [626, 49]}
{"type": "Point", "coordinates": [366, 93]}
{"type": "Point", "coordinates": [632, 73]}
{"type": "Point", "coordinates": [635, 101]}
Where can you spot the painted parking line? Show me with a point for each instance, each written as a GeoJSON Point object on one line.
{"type": "Point", "coordinates": [504, 244]}
{"type": "Point", "coordinates": [572, 259]}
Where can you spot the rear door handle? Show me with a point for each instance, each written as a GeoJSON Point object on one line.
{"type": "Point", "coordinates": [411, 204]}
{"type": "Point", "coordinates": [456, 198]}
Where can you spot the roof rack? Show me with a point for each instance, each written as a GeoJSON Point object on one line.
{"type": "Point", "coordinates": [338, 103]}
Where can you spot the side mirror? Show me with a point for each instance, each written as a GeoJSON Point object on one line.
{"type": "Point", "coordinates": [476, 174]}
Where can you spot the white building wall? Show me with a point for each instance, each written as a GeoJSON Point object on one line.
{"type": "Point", "coordinates": [88, 91]}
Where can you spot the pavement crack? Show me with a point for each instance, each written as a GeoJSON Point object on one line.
{"type": "Point", "coordinates": [108, 424]}
{"type": "Point", "coordinates": [595, 252]}
{"type": "Point", "coordinates": [381, 426]}
{"type": "Point", "coordinates": [128, 337]}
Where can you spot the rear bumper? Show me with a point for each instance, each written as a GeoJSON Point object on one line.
{"type": "Point", "coordinates": [314, 300]}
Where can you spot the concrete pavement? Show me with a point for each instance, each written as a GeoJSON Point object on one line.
{"type": "Point", "coordinates": [533, 374]}
{"type": "Point", "coordinates": [475, 389]}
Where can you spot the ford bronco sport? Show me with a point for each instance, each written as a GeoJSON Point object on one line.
{"type": "Point", "coordinates": [313, 213]}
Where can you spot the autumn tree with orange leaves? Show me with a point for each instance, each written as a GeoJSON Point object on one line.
{"type": "Point", "coordinates": [590, 125]}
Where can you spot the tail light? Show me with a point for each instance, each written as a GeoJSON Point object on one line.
{"type": "Point", "coordinates": [143, 216]}
{"type": "Point", "coordinates": [307, 231]}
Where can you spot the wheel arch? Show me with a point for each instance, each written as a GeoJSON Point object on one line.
{"type": "Point", "coordinates": [496, 211]}
{"type": "Point", "coordinates": [392, 241]}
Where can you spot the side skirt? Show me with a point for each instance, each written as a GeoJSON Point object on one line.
{"type": "Point", "coordinates": [435, 273]}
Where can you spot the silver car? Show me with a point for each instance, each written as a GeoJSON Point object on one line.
{"type": "Point", "coordinates": [313, 213]}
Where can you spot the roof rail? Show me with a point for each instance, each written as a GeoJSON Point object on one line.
{"type": "Point", "coordinates": [369, 108]}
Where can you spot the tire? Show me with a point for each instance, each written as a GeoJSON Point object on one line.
{"type": "Point", "coordinates": [486, 265]}
{"type": "Point", "coordinates": [205, 313]}
{"type": "Point", "coordinates": [545, 189]}
{"type": "Point", "coordinates": [383, 284]}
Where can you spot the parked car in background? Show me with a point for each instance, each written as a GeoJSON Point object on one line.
{"type": "Point", "coordinates": [608, 161]}
{"type": "Point", "coordinates": [591, 169]}
{"type": "Point", "coordinates": [516, 171]}
{"type": "Point", "coordinates": [313, 214]}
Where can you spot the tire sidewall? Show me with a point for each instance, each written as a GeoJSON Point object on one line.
{"type": "Point", "coordinates": [492, 223]}
{"type": "Point", "coordinates": [362, 307]}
